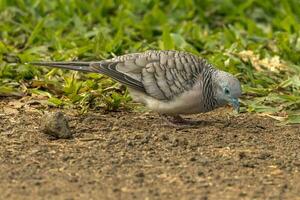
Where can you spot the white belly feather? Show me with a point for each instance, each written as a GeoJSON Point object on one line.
{"type": "Point", "coordinates": [189, 102]}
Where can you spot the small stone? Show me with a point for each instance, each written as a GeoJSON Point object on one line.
{"type": "Point", "coordinates": [242, 155]}
{"type": "Point", "coordinates": [248, 164]}
{"type": "Point", "coordinates": [297, 163]}
{"type": "Point", "coordinates": [264, 156]}
{"type": "Point", "coordinates": [115, 128]}
{"type": "Point", "coordinates": [193, 159]}
{"type": "Point", "coordinates": [140, 175]}
{"type": "Point", "coordinates": [276, 172]}
{"type": "Point", "coordinates": [56, 125]}
{"type": "Point", "coordinates": [200, 173]}
{"type": "Point", "coordinates": [165, 137]}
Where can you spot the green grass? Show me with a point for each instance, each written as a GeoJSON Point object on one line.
{"type": "Point", "coordinates": [258, 41]}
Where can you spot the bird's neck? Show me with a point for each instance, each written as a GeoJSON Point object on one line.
{"type": "Point", "coordinates": [209, 92]}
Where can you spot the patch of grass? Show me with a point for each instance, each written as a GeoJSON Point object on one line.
{"type": "Point", "coordinates": [256, 40]}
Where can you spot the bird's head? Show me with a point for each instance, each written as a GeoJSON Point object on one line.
{"type": "Point", "coordinates": [228, 89]}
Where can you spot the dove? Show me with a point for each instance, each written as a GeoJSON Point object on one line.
{"type": "Point", "coordinates": [171, 83]}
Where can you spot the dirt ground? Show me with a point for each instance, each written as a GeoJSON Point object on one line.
{"type": "Point", "coordinates": [130, 155]}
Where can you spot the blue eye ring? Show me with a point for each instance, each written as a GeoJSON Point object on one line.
{"type": "Point", "coordinates": [226, 91]}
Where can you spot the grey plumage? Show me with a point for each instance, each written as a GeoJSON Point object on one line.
{"type": "Point", "coordinates": [170, 82]}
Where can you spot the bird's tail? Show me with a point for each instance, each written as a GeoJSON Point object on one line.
{"type": "Point", "coordinates": [78, 66]}
{"type": "Point", "coordinates": [104, 67]}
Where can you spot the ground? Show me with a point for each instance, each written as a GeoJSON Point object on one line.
{"type": "Point", "coordinates": [132, 155]}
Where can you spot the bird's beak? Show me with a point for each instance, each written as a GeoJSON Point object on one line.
{"type": "Point", "coordinates": [236, 104]}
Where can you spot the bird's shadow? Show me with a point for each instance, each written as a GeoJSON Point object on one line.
{"type": "Point", "coordinates": [189, 124]}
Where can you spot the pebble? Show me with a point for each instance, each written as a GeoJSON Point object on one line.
{"type": "Point", "coordinates": [56, 125]}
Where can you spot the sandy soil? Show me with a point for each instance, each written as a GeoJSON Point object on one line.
{"type": "Point", "coordinates": [129, 155]}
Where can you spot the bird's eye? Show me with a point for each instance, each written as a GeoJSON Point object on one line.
{"type": "Point", "coordinates": [226, 91]}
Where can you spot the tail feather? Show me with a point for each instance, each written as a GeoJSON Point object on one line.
{"type": "Point", "coordinates": [78, 66]}
{"type": "Point", "coordinates": [106, 68]}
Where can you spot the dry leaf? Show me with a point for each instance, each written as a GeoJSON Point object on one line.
{"type": "Point", "coordinates": [274, 64]}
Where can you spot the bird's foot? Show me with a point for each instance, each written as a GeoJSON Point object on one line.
{"type": "Point", "coordinates": [179, 121]}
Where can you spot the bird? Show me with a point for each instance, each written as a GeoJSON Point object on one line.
{"type": "Point", "coordinates": [170, 82]}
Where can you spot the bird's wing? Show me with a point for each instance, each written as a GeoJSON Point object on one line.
{"type": "Point", "coordinates": [174, 73]}
{"type": "Point", "coordinates": [162, 74]}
